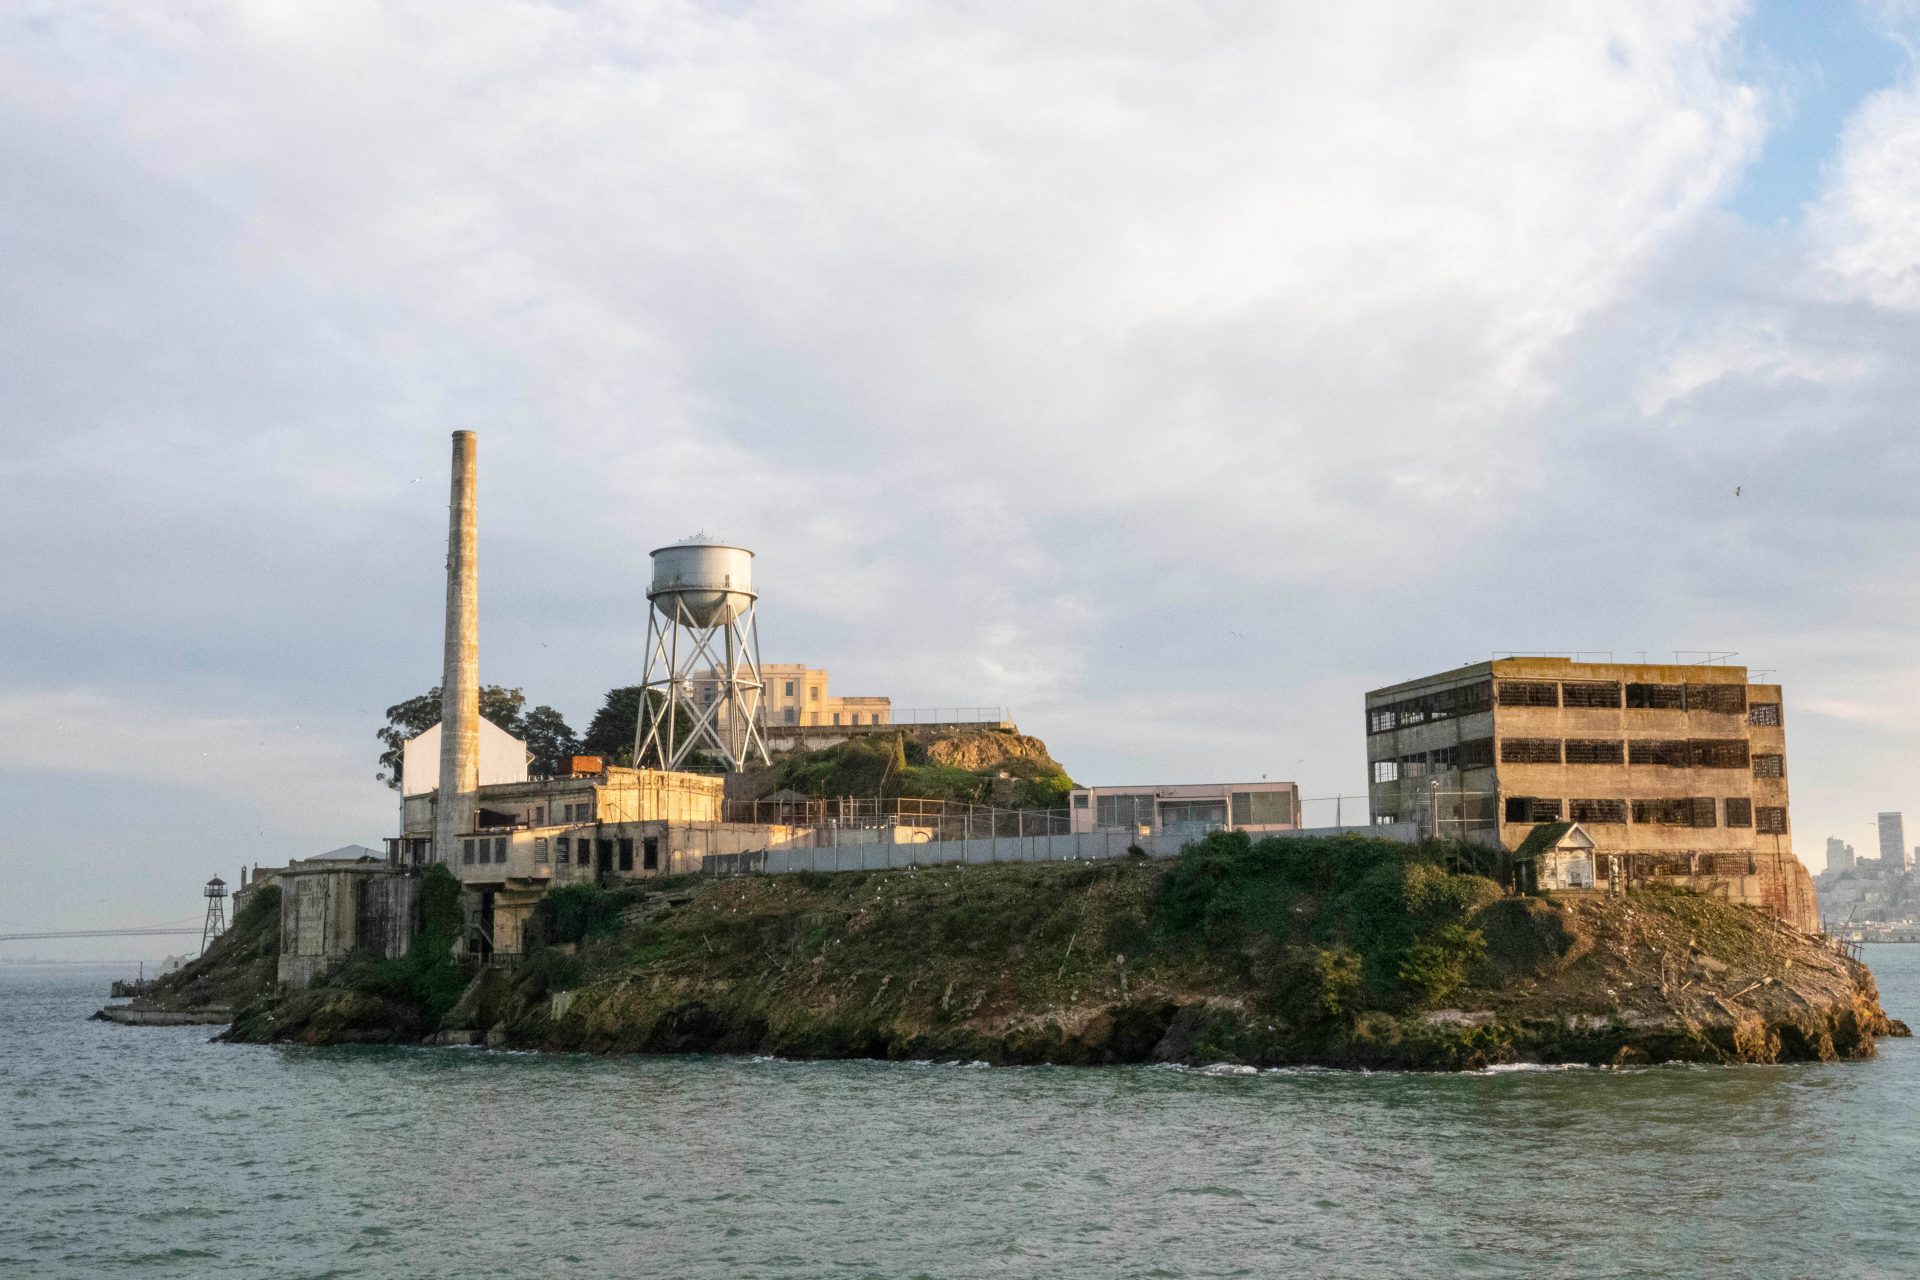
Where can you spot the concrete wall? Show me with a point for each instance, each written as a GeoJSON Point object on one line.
{"type": "Point", "coordinates": [1077, 846]}
{"type": "Point", "coordinates": [327, 911]}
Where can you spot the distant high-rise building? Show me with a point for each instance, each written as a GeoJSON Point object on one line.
{"type": "Point", "coordinates": [1893, 842]}
{"type": "Point", "coordinates": [1839, 854]}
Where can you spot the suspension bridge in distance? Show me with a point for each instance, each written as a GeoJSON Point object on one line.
{"type": "Point", "coordinates": [101, 933]}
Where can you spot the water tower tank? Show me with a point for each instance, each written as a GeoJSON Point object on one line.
{"type": "Point", "coordinates": [712, 582]}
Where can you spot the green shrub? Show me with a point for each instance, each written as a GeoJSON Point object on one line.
{"type": "Point", "coordinates": [575, 913]}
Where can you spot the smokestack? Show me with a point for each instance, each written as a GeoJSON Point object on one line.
{"type": "Point", "coordinates": [460, 677]}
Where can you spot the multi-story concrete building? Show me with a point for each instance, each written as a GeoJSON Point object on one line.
{"type": "Point", "coordinates": [1893, 842]}
{"type": "Point", "coordinates": [1187, 809]}
{"type": "Point", "coordinates": [797, 695]}
{"type": "Point", "coordinates": [1671, 771]}
{"type": "Point", "coordinates": [1839, 854]}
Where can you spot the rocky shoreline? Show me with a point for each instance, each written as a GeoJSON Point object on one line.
{"type": "Point", "coordinates": [1339, 953]}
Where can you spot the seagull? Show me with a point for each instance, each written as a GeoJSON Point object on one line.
{"type": "Point", "coordinates": [1737, 488]}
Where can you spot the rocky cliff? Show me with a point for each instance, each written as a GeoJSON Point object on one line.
{"type": "Point", "coordinates": [1344, 952]}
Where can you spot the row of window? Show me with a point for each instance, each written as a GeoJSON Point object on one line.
{"type": "Point", "coordinates": [484, 850]}
{"type": "Point", "coordinates": [1685, 811]}
{"type": "Point", "coordinates": [1675, 753]}
{"type": "Point", "coordinates": [1726, 699]}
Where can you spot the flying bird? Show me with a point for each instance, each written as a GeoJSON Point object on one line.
{"type": "Point", "coordinates": [1736, 490]}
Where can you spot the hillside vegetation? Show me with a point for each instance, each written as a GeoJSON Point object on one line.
{"type": "Point", "coordinates": [961, 765]}
{"type": "Point", "coordinates": [1345, 951]}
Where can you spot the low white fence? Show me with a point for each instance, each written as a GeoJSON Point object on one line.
{"type": "Point", "coordinates": [1077, 846]}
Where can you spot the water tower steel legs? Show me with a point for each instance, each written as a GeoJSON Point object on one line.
{"type": "Point", "coordinates": [669, 677]}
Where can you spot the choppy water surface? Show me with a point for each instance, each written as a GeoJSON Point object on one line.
{"type": "Point", "coordinates": [149, 1151]}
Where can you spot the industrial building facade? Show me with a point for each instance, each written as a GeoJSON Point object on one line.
{"type": "Point", "coordinates": [797, 695]}
{"type": "Point", "coordinates": [1672, 771]}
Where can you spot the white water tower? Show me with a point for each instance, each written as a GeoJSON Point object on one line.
{"type": "Point", "coordinates": [703, 659]}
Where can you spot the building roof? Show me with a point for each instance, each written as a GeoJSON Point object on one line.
{"type": "Point", "coordinates": [1552, 835]}
{"type": "Point", "coordinates": [348, 853]}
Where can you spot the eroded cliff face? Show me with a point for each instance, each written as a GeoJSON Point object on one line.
{"type": "Point", "coordinates": [1344, 953]}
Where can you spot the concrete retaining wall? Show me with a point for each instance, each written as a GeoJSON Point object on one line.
{"type": "Point", "coordinates": [1077, 846]}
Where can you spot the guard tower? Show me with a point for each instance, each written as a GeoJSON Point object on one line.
{"type": "Point", "coordinates": [702, 620]}
{"type": "Point", "coordinates": [216, 894]}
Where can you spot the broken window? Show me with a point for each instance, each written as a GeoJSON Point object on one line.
{"type": "Point", "coordinates": [1530, 751]}
{"type": "Point", "coordinates": [1477, 754]}
{"type": "Point", "coordinates": [1529, 693]}
{"type": "Point", "coordinates": [650, 853]}
{"type": "Point", "coordinates": [1596, 751]}
{"type": "Point", "coordinates": [1386, 771]}
{"type": "Point", "coordinates": [1767, 713]}
{"type": "Point", "coordinates": [1444, 705]}
{"type": "Point", "coordinates": [1662, 751]}
{"type": "Point", "coordinates": [563, 851]}
{"type": "Point", "coordinates": [1770, 766]}
{"type": "Point", "coordinates": [1380, 719]}
{"type": "Point", "coordinates": [540, 854]}
{"type": "Point", "coordinates": [626, 853]}
{"type": "Point", "coordinates": [1728, 698]}
{"type": "Point", "coordinates": [1532, 809]}
{"type": "Point", "coordinates": [1597, 810]}
{"type": "Point", "coordinates": [1659, 697]}
{"type": "Point", "coordinates": [1720, 753]}
{"type": "Point", "coordinates": [1590, 693]}
{"type": "Point", "coordinates": [1664, 813]}
{"type": "Point", "coordinates": [1770, 819]}
{"type": "Point", "coordinates": [1739, 811]}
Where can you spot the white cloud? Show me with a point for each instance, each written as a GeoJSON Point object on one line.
{"type": "Point", "coordinates": [1866, 230]}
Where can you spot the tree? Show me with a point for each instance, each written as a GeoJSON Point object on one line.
{"type": "Point", "coordinates": [416, 715]}
{"type": "Point", "coordinates": [552, 742]}
{"type": "Point", "coordinates": [617, 722]}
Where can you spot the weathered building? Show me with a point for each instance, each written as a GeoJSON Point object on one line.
{"type": "Point", "coordinates": [352, 899]}
{"type": "Point", "coordinates": [591, 828]}
{"type": "Point", "coordinates": [1674, 772]}
{"type": "Point", "coordinates": [1187, 809]}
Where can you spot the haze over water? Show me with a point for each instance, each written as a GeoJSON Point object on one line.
{"type": "Point", "coordinates": [151, 1152]}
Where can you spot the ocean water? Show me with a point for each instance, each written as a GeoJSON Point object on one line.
{"type": "Point", "coordinates": [152, 1152]}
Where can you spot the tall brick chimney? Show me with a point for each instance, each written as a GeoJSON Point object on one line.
{"type": "Point", "coordinates": [460, 677]}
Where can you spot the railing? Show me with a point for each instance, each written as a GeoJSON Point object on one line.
{"type": "Point", "coordinates": [1002, 716]}
{"type": "Point", "coordinates": [923, 819]}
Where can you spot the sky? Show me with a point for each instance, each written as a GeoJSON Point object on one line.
{"type": "Point", "coordinates": [1172, 374]}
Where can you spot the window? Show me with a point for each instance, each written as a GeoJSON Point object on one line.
{"type": "Point", "coordinates": [790, 716]}
{"type": "Point", "coordinates": [1662, 751]}
{"type": "Point", "coordinates": [1739, 811]}
{"type": "Point", "coordinates": [1720, 753]}
{"type": "Point", "coordinates": [1730, 699]}
{"type": "Point", "coordinates": [1477, 754]}
{"type": "Point", "coordinates": [1770, 819]}
{"type": "Point", "coordinates": [1530, 751]}
{"type": "Point", "coordinates": [1596, 751]}
{"type": "Point", "coordinates": [650, 853]}
{"type": "Point", "coordinates": [466, 851]}
{"type": "Point", "coordinates": [626, 853]}
{"type": "Point", "coordinates": [568, 812]}
{"type": "Point", "coordinates": [583, 812]}
{"type": "Point", "coordinates": [1590, 693]}
{"type": "Point", "coordinates": [1080, 800]}
{"type": "Point", "coordinates": [1193, 813]}
{"type": "Point", "coordinates": [1770, 766]}
{"type": "Point", "coordinates": [1129, 811]}
{"type": "Point", "coordinates": [1766, 713]}
{"type": "Point", "coordinates": [1614, 811]}
{"type": "Point", "coordinates": [1444, 705]}
{"type": "Point", "coordinates": [1532, 809]}
{"type": "Point", "coordinates": [606, 852]}
{"type": "Point", "coordinates": [789, 688]}
{"type": "Point", "coordinates": [1692, 811]}
{"type": "Point", "coordinates": [813, 693]}
{"type": "Point", "coordinates": [540, 854]}
{"type": "Point", "coordinates": [539, 815]}
{"type": "Point", "coordinates": [1529, 693]}
{"type": "Point", "coordinates": [563, 851]}
{"type": "Point", "coordinates": [836, 717]}
{"type": "Point", "coordinates": [1262, 808]}
{"type": "Point", "coordinates": [500, 849]}
{"type": "Point", "coordinates": [1657, 697]}
{"type": "Point", "coordinates": [1386, 771]}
